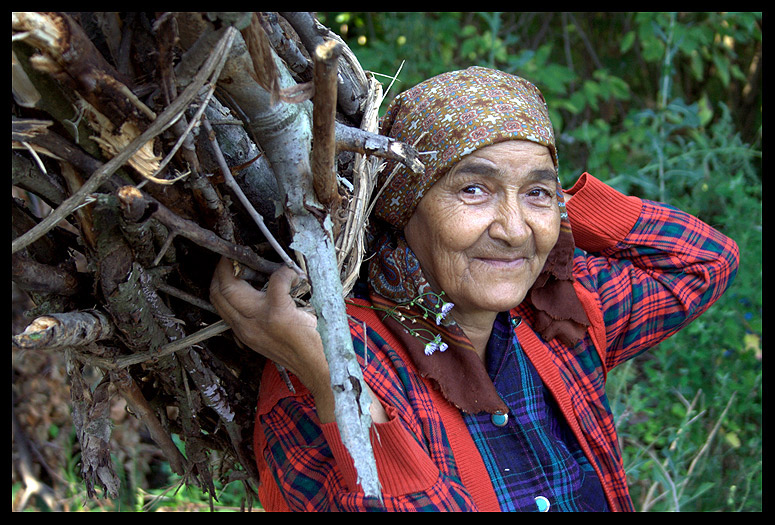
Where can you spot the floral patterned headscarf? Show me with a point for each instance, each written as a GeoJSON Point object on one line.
{"type": "Point", "coordinates": [446, 118]}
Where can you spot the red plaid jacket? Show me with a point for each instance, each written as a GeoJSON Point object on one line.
{"type": "Point", "coordinates": [647, 270]}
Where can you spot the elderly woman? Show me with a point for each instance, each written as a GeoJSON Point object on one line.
{"type": "Point", "coordinates": [485, 327]}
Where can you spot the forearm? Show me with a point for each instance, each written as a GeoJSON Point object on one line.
{"type": "Point", "coordinates": [653, 267]}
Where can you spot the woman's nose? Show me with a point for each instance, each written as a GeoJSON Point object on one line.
{"type": "Point", "coordinates": [509, 224]}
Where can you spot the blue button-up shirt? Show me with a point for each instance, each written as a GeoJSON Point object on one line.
{"type": "Point", "coordinates": [534, 460]}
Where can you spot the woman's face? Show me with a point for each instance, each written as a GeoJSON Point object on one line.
{"type": "Point", "coordinates": [483, 231]}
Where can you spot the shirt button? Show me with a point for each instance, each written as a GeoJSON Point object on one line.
{"type": "Point", "coordinates": [542, 503]}
{"type": "Point", "coordinates": [499, 420]}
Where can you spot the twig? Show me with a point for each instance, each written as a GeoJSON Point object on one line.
{"type": "Point", "coordinates": [185, 134]}
{"type": "Point", "coordinates": [393, 80]}
{"type": "Point", "coordinates": [360, 141]}
{"type": "Point", "coordinates": [184, 296]}
{"type": "Point", "coordinates": [231, 183]}
{"type": "Point", "coordinates": [162, 122]}
{"type": "Point", "coordinates": [139, 405]}
{"type": "Point", "coordinates": [57, 146]}
{"type": "Point", "coordinates": [125, 361]}
{"type": "Point", "coordinates": [136, 205]}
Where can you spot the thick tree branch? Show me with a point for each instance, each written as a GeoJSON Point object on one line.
{"type": "Point", "coordinates": [352, 81]}
{"type": "Point", "coordinates": [369, 143]}
{"type": "Point", "coordinates": [63, 330]}
{"type": "Point", "coordinates": [286, 47]}
{"type": "Point", "coordinates": [284, 132]}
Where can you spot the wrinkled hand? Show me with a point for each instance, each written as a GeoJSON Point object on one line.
{"type": "Point", "coordinates": [271, 324]}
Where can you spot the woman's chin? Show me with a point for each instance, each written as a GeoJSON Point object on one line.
{"type": "Point", "coordinates": [495, 300]}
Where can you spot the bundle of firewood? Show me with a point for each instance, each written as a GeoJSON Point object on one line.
{"type": "Point", "coordinates": [145, 148]}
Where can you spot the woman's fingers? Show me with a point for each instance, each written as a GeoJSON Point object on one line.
{"type": "Point", "coordinates": [232, 296]}
{"type": "Point", "coordinates": [271, 324]}
{"type": "Point", "coordinates": [279, 287]}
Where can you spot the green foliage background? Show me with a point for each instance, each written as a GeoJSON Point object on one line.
{"type": "Point", "coordinates": [665, 106]}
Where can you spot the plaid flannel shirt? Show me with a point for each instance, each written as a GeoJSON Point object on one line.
{"type": "Point", "coordinates": [644, 270]}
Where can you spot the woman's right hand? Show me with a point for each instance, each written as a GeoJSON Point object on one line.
{"type": "Point", "coordinates": [271, 324]}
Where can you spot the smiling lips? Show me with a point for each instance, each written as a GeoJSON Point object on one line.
{"type": "Point", "coordinates": [503, 262]}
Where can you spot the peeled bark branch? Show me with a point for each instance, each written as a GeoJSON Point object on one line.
{"type": "Point", "coordinates": [358, 140]}
{"type": "Point", "coordinates": [284, 132]}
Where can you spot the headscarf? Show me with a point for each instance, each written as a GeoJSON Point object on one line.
{"type": "Point", "coordinates": [446, 118]}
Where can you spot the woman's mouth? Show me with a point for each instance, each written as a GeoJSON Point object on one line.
{"type": "Point", "coordinates": [505, 263]}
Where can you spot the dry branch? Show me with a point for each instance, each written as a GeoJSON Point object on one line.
{"type": "Point", "coordinates": [323, 125]}
{"type": "Point", "coordinates": [31, 275]}
{"type": "Point", "coordinates": [137, 206]}
{"type": "Point", "coordinates": [161, 123]}
{"type": "Point", "coordinates": [91, 418]}
{"type": "Point", "coordinates": [369, 143]}
{"type": "Point", "coordinates": [285, 47]}
{"type": "Point", "coordinates": [64, 330]}
{"type": "Point", "coordinates": [352, 82]}
{"type": "Point", "coordinates": [257, 218]}
{"type": "Point", "coordinates": [284, 132]}
{"type": "Point", "coordinates": [67, 54]}
{"type": "Point", "coordinates": [141, 408]}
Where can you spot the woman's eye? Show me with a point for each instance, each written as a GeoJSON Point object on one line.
{"type": "Point", "coordinates": [473, 190]}
{"type": "Point", "coordinates": [542, 193]}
